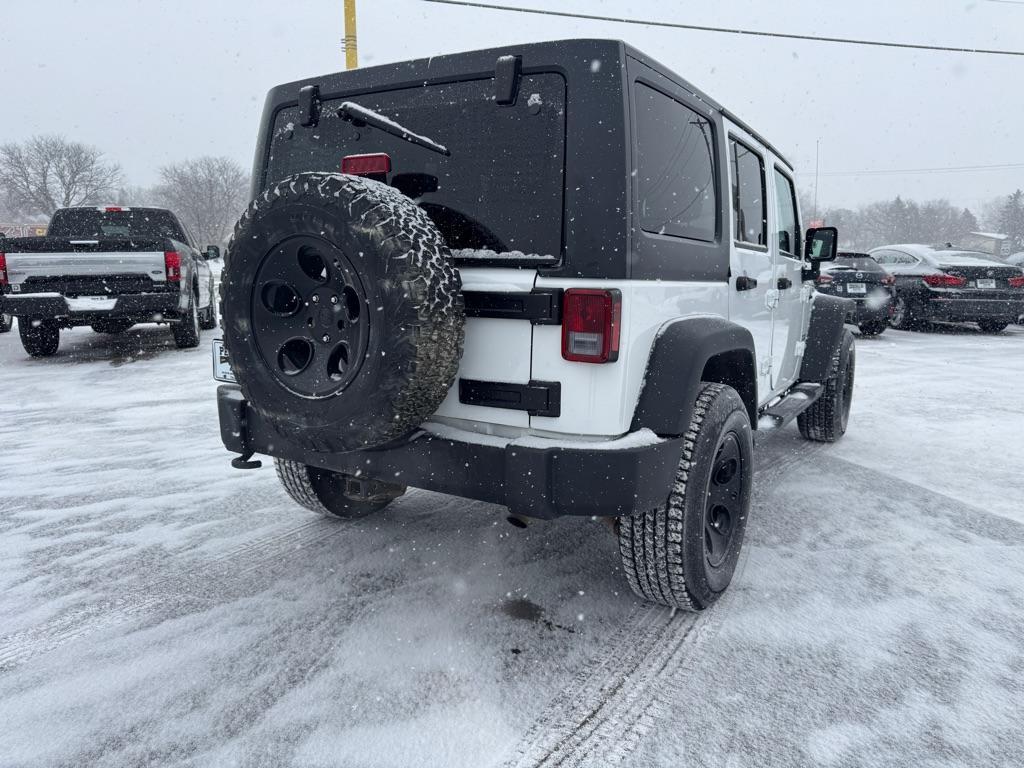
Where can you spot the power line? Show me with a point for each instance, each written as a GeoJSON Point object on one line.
{"type": "Point", "coordinates": [730, 31]}
{"type": "Point", "coordinates": [909, 171]}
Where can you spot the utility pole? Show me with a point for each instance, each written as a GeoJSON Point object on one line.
{"type": "Point", "coordinates": [351, 53]}
{"type": "Point", "coordinates": [817, 166]}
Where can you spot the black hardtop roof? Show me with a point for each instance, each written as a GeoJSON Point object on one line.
{"type": "Point", "coordinates": [481, 62]}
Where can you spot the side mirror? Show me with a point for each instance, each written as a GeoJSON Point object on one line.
{"type": "Point", "coordinates": [212, 252]}
{"type": "Point", "coordinates": [821, 244]}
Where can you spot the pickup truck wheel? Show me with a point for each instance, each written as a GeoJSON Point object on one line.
{"type": "Point", "coordinates": [111, 326]}
{"type": "Point", "coordinates": [6, 322]}
{"type": "Point", "coordinates": [683, 553]}
{"type": "Point", "coordinates": [826, 419]}
{"type": "Point", "coordinates": [333, 494]}
{"type": "Point", "coordinates": [993, 326]}
{"type": "Point", "coordinates": [208, 316]}
{"type": "Point", "coordinates": [186, 330]}
{"type": "Point", "coordinates": [40, 338]}
{"type": "Point", "coordinates": [341, 310]}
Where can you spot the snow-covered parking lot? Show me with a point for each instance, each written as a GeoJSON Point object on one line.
{"type": "Point", "coordinates": [159, 607]}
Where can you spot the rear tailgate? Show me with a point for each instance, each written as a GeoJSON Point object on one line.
{"type": "Point", "coordinates": [84, 267]}
{"type": "Point", "coordinates": [497, 199]}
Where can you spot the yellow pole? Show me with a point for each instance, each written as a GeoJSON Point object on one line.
{"type": "Point", "coordinates": [351, 57]}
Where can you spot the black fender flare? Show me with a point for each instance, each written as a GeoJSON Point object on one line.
{"type": "Point", "coordinates": [679, 358]}
{"type": "Point", "coordinates": [828, 313]}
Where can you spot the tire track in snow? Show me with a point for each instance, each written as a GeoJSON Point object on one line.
{"type": "Point", "coordinates": [606, 710]}
{"type": "Point", "coordinates": [244, 568]}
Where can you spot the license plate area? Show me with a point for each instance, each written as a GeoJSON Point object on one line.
{"type": "Point", "coordinates": [222, 364]}
{"type": "Point", "coordinates": [857, 288]}
{"type": "Point", "coordinates": [985, 282]}
{"type": "Point", "coordinates": [91, 303]}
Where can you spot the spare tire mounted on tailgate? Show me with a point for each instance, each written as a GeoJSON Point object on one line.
{"type": "Point", "coordinates": [342, 311]}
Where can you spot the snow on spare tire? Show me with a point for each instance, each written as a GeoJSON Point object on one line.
{"type": "Point", "coordinates": [341, 311]}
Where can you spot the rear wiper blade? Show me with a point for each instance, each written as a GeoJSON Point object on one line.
{"type": "Point", "coordinates": [357, 114]}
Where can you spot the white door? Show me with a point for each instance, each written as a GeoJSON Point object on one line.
{"type": "Point", "coordinates": [752, 293]}
{"type": "Point", "coordinates": [792, 299]}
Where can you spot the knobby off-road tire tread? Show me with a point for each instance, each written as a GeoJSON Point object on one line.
{"type": "Point", "coordinates": [425, 271]}
{"type": "Point", "coordinates": [651, 541]}
{"type": "Point", "coordinates": [818, 422]}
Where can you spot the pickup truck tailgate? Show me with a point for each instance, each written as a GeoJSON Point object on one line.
{"type": "Point", "coordinates": [85, 272]}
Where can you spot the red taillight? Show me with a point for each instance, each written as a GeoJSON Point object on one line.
{"type": "Point", "coordinates": [823, 279]}
{"type": "Point", "coordinates": [889, 280]}
{"type": "Point", "coordinates": [113, 209]}
{"type": "Point", "coordinates": [1015, 282]}
{"type": "Point", "coordinates": [3, 269]}
{"type": "Point", "coordinates": [945, 281]}
{"type": "Point", "coordinates": [366, 165]}
{"type": "Point", "coordinates": [591, 321]}
{"type": "Point", "coordinates": [172, 266]}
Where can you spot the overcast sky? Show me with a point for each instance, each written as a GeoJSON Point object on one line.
{"type": "Point", "coordinates": [152, 82]}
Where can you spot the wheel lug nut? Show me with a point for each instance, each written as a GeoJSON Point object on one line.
{"type": "Point", "coordinates": [326, 338]}
{"type": "Point", "coordinates": [334, 299]}
{"type": "Point", "coordinates": [315, 298]}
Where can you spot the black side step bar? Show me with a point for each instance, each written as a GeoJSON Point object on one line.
{"type": "Point", "coordinates": [543, 307]}
{"type": "Point", "coordinates": [795, 402]}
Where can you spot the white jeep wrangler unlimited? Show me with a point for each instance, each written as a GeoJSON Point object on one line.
{"type": "Point", "coordinates": [555, 277]}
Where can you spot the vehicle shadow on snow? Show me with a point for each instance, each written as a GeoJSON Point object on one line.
{"type": "Point", "coordinates": [82, 345]}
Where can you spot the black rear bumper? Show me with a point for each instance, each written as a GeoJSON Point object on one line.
{"type": "Point", "coordinates": [967, 309]}
{"type": "Point", "coordinates": [542, 482]}
{"type": "Point", "coordinates": [138, 307]}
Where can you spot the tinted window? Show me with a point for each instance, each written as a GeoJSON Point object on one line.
{"type": "Point", "coordinates": [675, 168]}
{"type": "Point", "coordinates": [787, 228]}
{"type": "Point", "coordinates": [502, 187]}
{"type": "Point", "coordinates": [749, 215]}
{"type": "Point", "coordinates": [90, 223]}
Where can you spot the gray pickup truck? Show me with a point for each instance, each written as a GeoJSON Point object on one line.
{"type": "Point", "coordinates": [108, 267]}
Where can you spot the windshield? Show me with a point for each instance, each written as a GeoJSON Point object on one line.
{"type": "Point", "coordinates": [139, 223]}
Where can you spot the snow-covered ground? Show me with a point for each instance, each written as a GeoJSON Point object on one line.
{"type": "Point", "coordinates": [159, 607]}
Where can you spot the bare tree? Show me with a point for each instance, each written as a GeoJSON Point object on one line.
{"type": "Point", "coordinates": [208, 193]}
{"type": "Point", "coordinates": [49, 172]}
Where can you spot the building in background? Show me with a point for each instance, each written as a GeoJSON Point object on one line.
{"type": "Point", "coordinates": [987, 242]}
{"type": "Point", "coordinates": [23, 230]}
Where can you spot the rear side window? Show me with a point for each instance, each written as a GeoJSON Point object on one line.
{"type": "Point", "coordinates": [675, 166]}
{"type": "Point", "coordinates": [90, 223]}
{"type": "Point", "coordinates": [787, 228]}
{"type": "Point", "coordinates": [749, 213]}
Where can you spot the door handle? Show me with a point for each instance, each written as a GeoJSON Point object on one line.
{"type": "Point", "coordinates": [744, 283]}
{"type": "Point", "coordinates": [784, 283]}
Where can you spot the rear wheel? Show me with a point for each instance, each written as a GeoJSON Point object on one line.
{"type": "Point", "coordinates": [825, 421]}
{"type": "Point", "coordinates": [683, 553]}
{"type": "Point", "coordinates": [40, 338]}
{"type": "Point", "coordinates": [186, 330]}
{"type": "Point", "coordinates": [208, 316]}
{"type": "Point", "coordinates": [904, 315]}
{"type": "Point", "coordinates": [993, 326]}
{"type": "Point", "coordinates": [333, 494]}
{"type": "Point", "coordinates": [872, 328]}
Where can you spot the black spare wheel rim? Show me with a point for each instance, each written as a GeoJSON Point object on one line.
{"type": "Point", "coordinates": [724, 506]}
{"type": "Point", "coordinates": [309, 316]}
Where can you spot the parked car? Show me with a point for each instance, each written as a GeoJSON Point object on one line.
{"type": "Point", "coordinates": [109, 267]}
{"type": "Point", "coordinates": [935, 283]}
{"type": "Point", "coordinates": [858, 277]}
{"type": "Point", "coordinates": [590, 316]}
